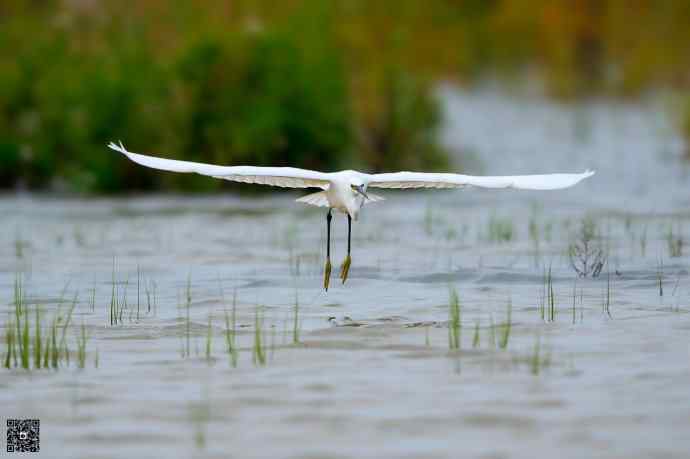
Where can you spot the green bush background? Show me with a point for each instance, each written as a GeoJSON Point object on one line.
{"type": "Point", "coordinates": [323, 85]}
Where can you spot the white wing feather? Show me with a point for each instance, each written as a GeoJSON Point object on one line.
{"type": "Point", "coordinates": [318, 199]}
{"type": "Point", "coordinates": [287, 177]}
{"type": "Point", "coordinates": [431, 180]}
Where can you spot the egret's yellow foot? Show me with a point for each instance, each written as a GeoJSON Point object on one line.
{"type": "Point", "coordinates": [345, 268]}
{"type": "Point", "coordinates": [327, 274]}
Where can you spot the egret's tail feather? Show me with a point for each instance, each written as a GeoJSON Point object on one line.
{"type": "Point", "coordinates": [318, 199]}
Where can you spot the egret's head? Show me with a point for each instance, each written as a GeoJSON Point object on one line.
{"type": "Point", "coordinates": [359, 187]}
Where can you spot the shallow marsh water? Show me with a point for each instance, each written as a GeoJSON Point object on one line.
{"type": "Point", "coordinates": [372, 375]}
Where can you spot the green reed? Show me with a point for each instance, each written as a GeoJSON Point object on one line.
{"type": "Point", "coordinates": [674, 242]}
{"type": "Point", "coordinates": [209, 337]}
{"type": "Point", "coordinates": [475, 339]}
{"type": "Point", "coordinates": [547, 304]}
{"type": "Point", "coordinates": [535, 360]}
{"type": "Point", "coordinates": [38, 345]}
{"type": "Point", "coordinates": [92, 300]}
{"type": "Point", "coordinates": [500, 229]}
{"type": "Point", "coordinates": [35, 346]}
{"type": "Point", "coordinates": [507, 326]}
{"type": "Point", "coordinates": [492, 331]}
{"type": "Point", "coordinates": [454, 320]}
{"type": "Point", "coordinates": [118, 300]}
{"type": "Point", "coordinates": [10, 347]}
{"type": "Point", "coordinates": [574, 298]}
{"type": "Point", "coordinates": [150, 288]}
{"type": "Point", "coordinates": [63, 349]}
{"type": "Point", "coordinates": [230, 340]}
{"type": "Point", "coordinates": [82, 339]}
{"type": "Point", "coordinates": [21, 310]}
{"type": "Point", "coordinates": [258, 352]}
{"type": "Point", "coordinates": [231, 332]}
{"type": "Point", "coordinates": [606, 304]}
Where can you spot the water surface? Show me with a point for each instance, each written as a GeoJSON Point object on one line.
{"type": "Point", "coordinates": [372, 375]}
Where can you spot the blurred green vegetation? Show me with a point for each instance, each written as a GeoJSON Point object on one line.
{"type": "Point", "coordinates": [325, 85]}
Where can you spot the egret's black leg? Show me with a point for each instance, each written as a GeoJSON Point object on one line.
{"type": "Point", "coordinates": [327, 269]}
{"type": "Point", "coordinates": [345, 268]}
{"type": "Point", "coordinates": [349, 233]}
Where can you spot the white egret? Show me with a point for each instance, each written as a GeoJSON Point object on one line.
{"type": "Point", "coordinates": [346, 191]}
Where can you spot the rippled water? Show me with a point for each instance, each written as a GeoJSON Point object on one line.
{"type": "Point", "coordinates": [372, 375]}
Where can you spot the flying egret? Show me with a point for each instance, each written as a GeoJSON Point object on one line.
{"type": "Point", "coordinates": [346, 191]}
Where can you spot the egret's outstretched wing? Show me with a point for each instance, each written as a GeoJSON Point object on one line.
{"type": "Point", "coordinates": [430, 180]}
{"type": "Point", "coordinates": [287, 177]}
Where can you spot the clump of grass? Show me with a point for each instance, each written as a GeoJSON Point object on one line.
{"type": "Point", "coordinates": [273, 341]}
{"type": "Point", "coordinates": [533, 227]}
{"type": "Point", "coordinates": [535, 360]}
{"type": "Point", "coordinates": [10, 347]}
{"type": "Point", "coordinates": [22, 327]}
{"type": "Point", "coordinates": [643, 241]}
{"type": "Point", "coordinates": [500, 229]}
{"type": "Point", "coordinates": [62, 345]}
{"type": "Point", "coordinates": [112, 309]}
{"type": "Point", "coordinates": [25, 344]}
{"type": "Point", "coordinates": [475, 339]}
{"type": "Point", "coordinates": [92, 300]}
{"type": "Point", "coordinates": [492, 331]}
{"type": "Point", "coordinates": [606, 305]}
{"type": "Point", "coordinates": [150, 288]}
{"type": "Point", "coordinates": [231, 332]}
{"type": "Point", "coordinates": [82, 339]}
{"type": "Point", "coordinates": [258, 351]}
{"type": "Point", "coordinates": [117, 305]}
{"type": "Point", "coordinates": [38, 344]}
{"type": "Point", "coordinates": [454, 320]}
{"type": "Point", "coordinates": [506, 327]}
{"type": "Point", "coordinates": [674, 242]}
{"type": "Point", "coordinates": [547, 304]}
{"type": "Point", "coordinates": [52, 355]}
{"type": "Point", "coordinates": [19, 246]}
{"type": "Point", "coordinates": [209, 337]}
{"type": "Point", "coordinates": [574, 298]}
{"type": "Point", "coordinates": [587, 258]}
